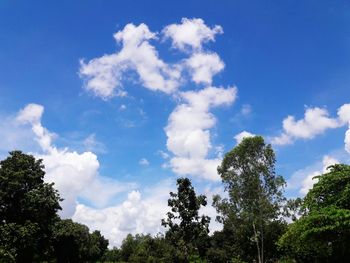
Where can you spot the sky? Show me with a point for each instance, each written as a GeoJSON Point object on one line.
{"type": "Point", "coordinates": [120, 98]}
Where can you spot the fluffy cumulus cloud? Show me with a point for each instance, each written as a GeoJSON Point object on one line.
{"type": "Point", "coordinates": [244, 134]}
{"type": "Point", "coordinates": [191, 33]}
{"type": "Point", "coordinates": [103, 76]}
{"type": "Point", "coordinates": [141, 212]}
{"type": "Point", "coordinates": [189, 125]}
{"type": "Point", "coordinates": [32, 114]}
{"type": "Point", "coordinates": [316, 121]}
{"type": "Point", "coordinates": [188, 131]}
{"type": "Point", "coordinates": [74, 174]}
{"type": "Point", "coordinates": [203, 66]}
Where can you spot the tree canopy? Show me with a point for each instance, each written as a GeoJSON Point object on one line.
{"type": "Point", "coordinates": [30, 228]}
{"type": "Point", "coordinates": [252, 210]}
{"type": "Point", "coordinates": [323, 231]}
{"type": "Point", "coordinates": [28, 208]}
{"type": "Point", "coordinates": [255, 196]}
{"type": "Point", "coordinates": [186, 227]}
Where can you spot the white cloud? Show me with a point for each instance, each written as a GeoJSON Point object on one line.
{"type": "Point", "coordinates": [144, 162]}
{"type": "Point", "coordinates": [103, 76]}
{"type": "Point", "coordinates": [347, 140]}
{"type": "Point", "coordinates": [316, 121]}
{"type": "Point", "coordinates": [74, 174]}
{"type": "Point", "coordinates": [203, 66]}
{"type": "Point", "coordinates": [204, 168]}
{"type": "Point", "coordinates": [282, 139]}
{"type": "Point", "coordinates": [14, 136]}
{"type": "Point", "coordinates": [189, 125]}
{"type": "Point", "coordinates": [244, 134]}
{"type": "Point", "coordinates": [139, 213]}
{"type": "Point", "coordinates": [191, 33]}
{"type": "Point", "coordinates": [344, 113]}
{"type": "Point", "coordinates": [188, 131]}
{"type": "Point", "coordinates": [32, 114]}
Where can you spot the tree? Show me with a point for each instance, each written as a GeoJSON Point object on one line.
{"type": "Point", "coordinates": [74, 243]}
{"type": "Point", "coordinates": [255, 197]}
{"type": "Point", "coordinates": [322, 233]}
{"type": "Point", "coordinates": [98, 246]}
{"type": "Point", "coordinates": [28, 208]}
{"type": "Point", "coordinates": [144, 249]}
{"type": "Point", "coordinates": [186, 228]}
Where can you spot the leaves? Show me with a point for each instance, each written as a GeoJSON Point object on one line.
{"type": "Point", "coordinates": [186, 227]}
{"type": "Point", "coordinates": [323, 232]}
{"type": "Point", "coordinates": [255, 192]}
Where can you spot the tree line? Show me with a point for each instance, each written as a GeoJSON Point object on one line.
{"type": "Point", "coordinates": [259, 223]}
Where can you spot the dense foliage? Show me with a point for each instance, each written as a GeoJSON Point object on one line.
{"type": "Point", "coordinates": [252, 210]}
{"type": "Point", "coordinates": [188, 231]}
{"type": "Point", "coordinates": [30, 229]}
{"type": "Point", "coordinates": [322, 234]}
{"type": "Point", "coordinates": [28, 208]}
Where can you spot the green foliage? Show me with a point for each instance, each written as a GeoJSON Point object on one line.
{"type": "Point", "coordinates": [28, 208]}
{"type": "Point", "coordinates": [74, 243]}
{"type": "Point", "coordinates": [323, 232]}
{"type": "Point", "coordinates": [31, 231]}
{"type": "Point", "coordinates": [188, 231]}
{"type": "Point", "coordinates": [255, 198]}
{"type": "Point", "coordinates": [142, 248]}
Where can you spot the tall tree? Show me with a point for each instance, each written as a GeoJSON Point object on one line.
{"type": "Point", "coordinates": [186, 227]}
{"type": "Point", "coordinates": [28, 208]}
{"type": "Point", "coordinates": [322, 234]}
{"type": "Point", "coordinates": [255, 193]}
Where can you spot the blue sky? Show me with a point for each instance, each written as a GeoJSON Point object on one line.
{"type": "Point", "coordinates": [247, 66]}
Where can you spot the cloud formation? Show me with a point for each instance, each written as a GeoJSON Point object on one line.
{"type": "Point", "coordinates": [103, 76]}
{"type": "Point", "coordinates": [141, 212]}
{"type": "Point", "coordinates": [74, 174]}
{"type": "Point", "coordinates": [188, 131]}
{"type": "Point", "coordinates": [203, 66]}
{"type": "Point", "coordinates": [191, 33]}
{"type": "Point", "coordinates": [315, 122]}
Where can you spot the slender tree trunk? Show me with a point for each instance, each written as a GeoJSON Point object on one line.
{"type": "Point", "coordinates": [262, 245]}
{"type": "Point", "coordinates": [257, 243]}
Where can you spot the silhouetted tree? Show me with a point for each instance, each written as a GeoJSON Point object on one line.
{"type": "Point", "coordinates": [187, 229]}
{"type": "Point", "coordinates": [28, 208]}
